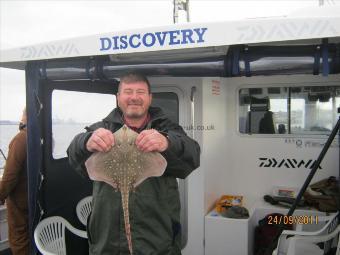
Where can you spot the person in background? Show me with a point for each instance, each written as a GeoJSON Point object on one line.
{"type": "Point", "coordinates": [155, 208]}
{"type": "Point", "coordinates": [13, 189]}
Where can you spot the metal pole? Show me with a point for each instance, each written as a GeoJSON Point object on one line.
{"type": "Point", "coordinates": [181, 5]}
{"type": "Point", "coordinates": [175, 14]}
{"type": "Point", "coordinates": [188, 11]}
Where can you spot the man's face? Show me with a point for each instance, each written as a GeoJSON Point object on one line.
{"type": "Point", "coordinates": [134, 99]}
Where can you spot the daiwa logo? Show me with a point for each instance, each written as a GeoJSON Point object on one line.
{"type": "Point", "coordinates": [270, 31]}
{"type": "Point", "coordinates": [288, 163]}
{"type": "Point", "coordinates": [49, 50]}
{"type": "Point", "coordinates": [150, 39]}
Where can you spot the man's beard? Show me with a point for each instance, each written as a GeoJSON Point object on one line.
{"type": "Point", "coordinates": [136, 114]}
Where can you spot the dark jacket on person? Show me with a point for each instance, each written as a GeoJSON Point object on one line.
{"type": "Point", "coordinates": [13, 189]}
{"type": "Point", "coordinates": [154, 205]}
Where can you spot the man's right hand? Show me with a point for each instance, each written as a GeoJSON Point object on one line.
{"type": "Point", "coordinates": [101, 140]}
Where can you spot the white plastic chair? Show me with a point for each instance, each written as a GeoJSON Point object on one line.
{"type": "Point", "coordinates": [49, 235]}
{"type": "Point", "coordinates": [83, 209]}
{"type": "Point", "coordinates": [313, 240]}
{"type": "Point", "coordinates": [305, 242]}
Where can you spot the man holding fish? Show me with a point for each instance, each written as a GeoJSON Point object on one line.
{"type": "Point", "coordinates": [146, 137]}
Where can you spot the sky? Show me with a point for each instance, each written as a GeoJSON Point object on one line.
{"type": "Point", "coordinates": [29, 22]}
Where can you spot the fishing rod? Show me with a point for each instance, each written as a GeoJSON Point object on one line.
{"type": "Point", "coordinates": [2, 153]}
{"type": "Point", "coordinates": [306, 183]}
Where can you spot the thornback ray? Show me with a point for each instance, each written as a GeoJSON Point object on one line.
{"type": "Point", "coordinates": [124, 167]}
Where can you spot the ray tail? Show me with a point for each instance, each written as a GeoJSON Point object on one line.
{"type": "Point", "coordinates": [125, 205]}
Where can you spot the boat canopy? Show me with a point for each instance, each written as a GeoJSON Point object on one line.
{"type": "Point", "coordinates": [232, 48]}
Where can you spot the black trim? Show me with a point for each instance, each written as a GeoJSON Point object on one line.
{"type": "Point", "coordinates": [238, 60]}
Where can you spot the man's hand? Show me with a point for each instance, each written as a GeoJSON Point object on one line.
{"type": "Point", "coordinates": [151, 140]}
{"type": "Point", "coordinates": [101, 140]}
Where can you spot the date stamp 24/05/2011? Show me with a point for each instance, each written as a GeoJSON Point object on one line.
{"type": "Point", "coordinates": [293, 219]}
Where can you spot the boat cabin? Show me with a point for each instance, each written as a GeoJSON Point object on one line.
{"type": "Point", "coordinates": [260, 96]}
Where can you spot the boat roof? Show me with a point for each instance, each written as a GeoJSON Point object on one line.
{"type": "Point", "coordinates": [200, 37]}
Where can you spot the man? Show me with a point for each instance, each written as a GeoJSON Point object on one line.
{"type": "Point", "coordinates": [155, 205]}
{"type": "Point", "coordinates": [13, 189]}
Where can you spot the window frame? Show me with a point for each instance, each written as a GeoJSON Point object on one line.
{"type": "Point", "coordinates": [288, 86]}
{"type": "Point", "coordinates": [100, 87]}
{"type": "Point", "coordinates": [83, 123]}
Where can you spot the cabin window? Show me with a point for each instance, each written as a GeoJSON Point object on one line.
{"type": "Point", "coordinates": [72, 111]}
{"type": "Point", "coordinates": [288, 110]}
{"type": "Point", "coordinates": [168, 102]}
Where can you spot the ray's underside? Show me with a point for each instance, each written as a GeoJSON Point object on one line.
{"type": "Point", "coordinates": [124, 167]}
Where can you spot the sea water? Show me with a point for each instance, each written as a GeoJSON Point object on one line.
{"type": "Point", "coordinates": [62, 135]}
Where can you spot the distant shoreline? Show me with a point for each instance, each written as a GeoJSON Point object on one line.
{"type": "Point", "coordinates": [9, 122]}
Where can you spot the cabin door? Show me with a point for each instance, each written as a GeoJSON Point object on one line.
{"type": "Point", "coordinates": [171, 101]}
{"type": "Point", "coordinates": [68, 107]}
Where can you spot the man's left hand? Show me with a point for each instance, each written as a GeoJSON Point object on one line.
{"type": "Point", "coordinates": [151, 140]}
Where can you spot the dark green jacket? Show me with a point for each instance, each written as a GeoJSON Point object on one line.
{"type": "Point", "coordinates": [154, 205]}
